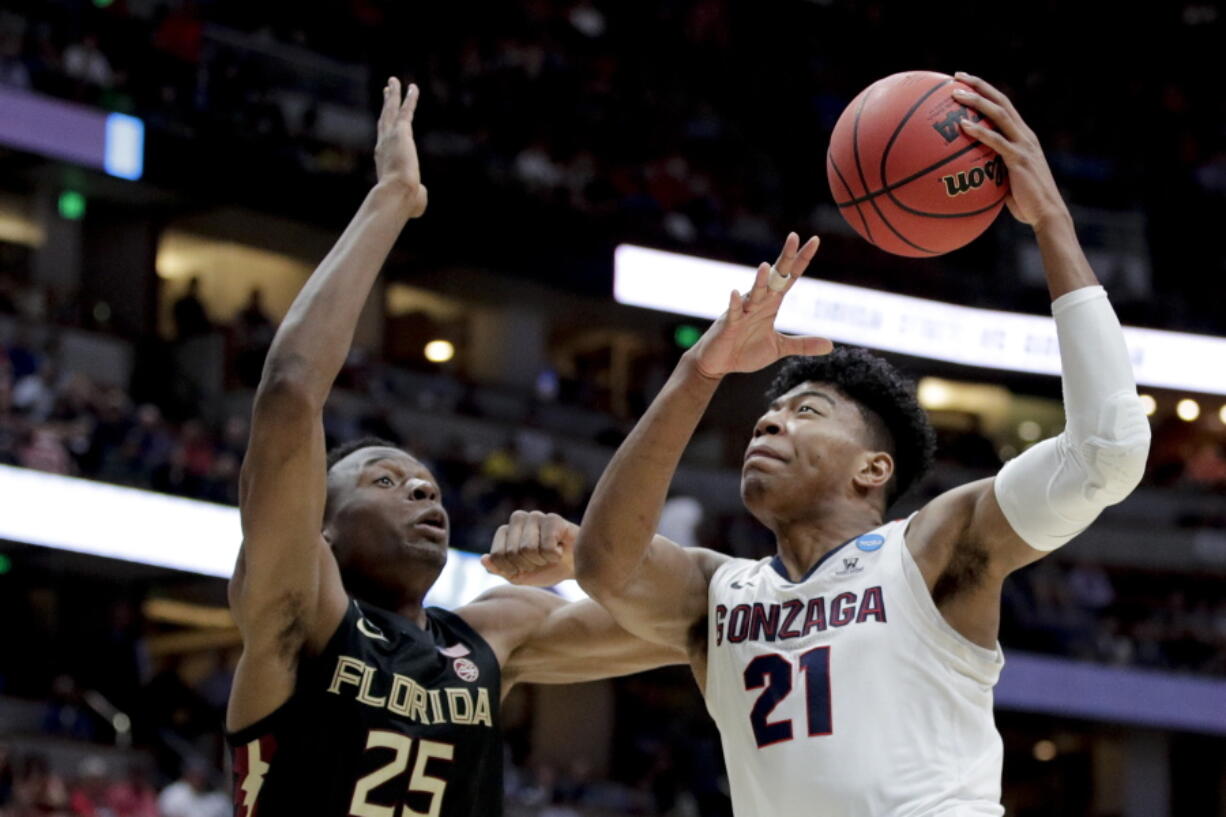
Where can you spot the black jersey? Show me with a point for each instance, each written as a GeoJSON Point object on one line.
{"type": "Point", "coordinates": [390, 720]}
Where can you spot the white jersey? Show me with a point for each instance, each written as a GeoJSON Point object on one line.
{"type": "Point", "coordinates": [847, 694]}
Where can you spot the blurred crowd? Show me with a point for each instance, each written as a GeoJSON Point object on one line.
{"type": "Point", "coordinates": [31, 787]}
{"type": "Point", "coordinates": [672, 111]}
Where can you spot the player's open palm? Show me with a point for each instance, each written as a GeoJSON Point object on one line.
{"type": "Point", "coordinates": [395, 151]}
{"type": "Point", "coordinates": [1033, 194]}
{"type": "Point", "coordinates": [744, 338]}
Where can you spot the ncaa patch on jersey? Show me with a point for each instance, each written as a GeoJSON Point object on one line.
{"type": "Point", "coordinates": [466, 669]}
{"type": "Point", "coordinates": [870, 542]}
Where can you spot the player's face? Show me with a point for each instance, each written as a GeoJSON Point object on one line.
{"type": "Point", "coordinates": [805, 449]}
{"type": "Point", "coordinates": [386, 511]}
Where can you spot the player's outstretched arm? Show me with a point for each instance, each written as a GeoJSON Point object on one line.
{"type": "Point", "coordinates": [286, 591]}
{"type": "Point", "coordinates": [1053, 491]}
{"type": "Point", "coordinates": [540, 637]}
{"type": "Point", "coordinates": [653, 588]}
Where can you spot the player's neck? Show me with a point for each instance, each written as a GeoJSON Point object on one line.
{"type": "Point", "coordinates": [802, 542]}
{"type": "Point", "coordinates": [403, 601]}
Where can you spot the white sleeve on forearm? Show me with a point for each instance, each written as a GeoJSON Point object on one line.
{"type": "Point", "coordinates": [1055, 489]}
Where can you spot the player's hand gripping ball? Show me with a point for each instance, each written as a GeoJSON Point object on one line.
{"type": "Point", "coordinates": [905, 175]}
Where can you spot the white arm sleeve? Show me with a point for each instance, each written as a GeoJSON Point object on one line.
{"type": "Point", "coordinates": [1055, 489]}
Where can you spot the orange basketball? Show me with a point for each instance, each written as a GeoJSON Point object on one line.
{"type": "Point", "coordinates": [903, 173]}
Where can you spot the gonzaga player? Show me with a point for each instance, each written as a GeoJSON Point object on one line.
{"type": "Point", "coordinates": [851, 674]}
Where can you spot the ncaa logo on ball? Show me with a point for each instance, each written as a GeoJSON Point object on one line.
{"type": "Point", "coordinates": [466, 669]}
{"type": "Point", "coordinates": [870, 542]}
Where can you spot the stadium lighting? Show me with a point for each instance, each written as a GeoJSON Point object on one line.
{"type": "Point", "coordinates": [439, 351]}
{"type": "Point", "coordinates": [1149, 404]}
{"type": "Point", "coordinates": [117, 522]}
{"type": "Point", "coordinates": [71, 205]}
{"type": "Point", "coordinates": [1029, 430]}
{"type": "Point", "coordinates": [934, 394]}
{"type": "Point", "coordinates": [686, 335]}
{"type": "Point", "coordinates": [1044, 750]}
{"type": "Point", "coordinates": [919, 327]}
{"type": "Point", "coordinates": [1187, 409]}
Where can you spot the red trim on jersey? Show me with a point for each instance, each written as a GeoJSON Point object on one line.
{"type": "Point", "coordinates": [247, 786]}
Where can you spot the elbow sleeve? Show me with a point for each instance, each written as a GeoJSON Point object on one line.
{"type": "Point", "coordinates": [1054, 490]}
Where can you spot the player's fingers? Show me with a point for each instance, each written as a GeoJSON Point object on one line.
{"type": "Point", "coordinates": [760, 290]}
{"type": "Point", "coordinates": [1003, 119]}
{"type": "Point", "coordinates": [389, 106]}
{"type": "Point", "coordinates": [991, 138]}
{"type": "Point", "coordinates": [804, 345]}
{"type": "Point", "coordinates": [787, 255]}
{"type": "Point", "coordinates": [552, 529]}
{"type": "Point", "coordinates": [988, 90]}
{"type": "Point", "coordinates": [410, 102]}
{"type": "Point", "coordinates": [736, 307]}
{"type": "Point", "coordinates": [492, 566]}
{"type": "Point", "coordinates": [498, 559]}
{"type": "Point", "coordinates": [529, 556]}
{"type": "Point", "coordinates": [803, 258]}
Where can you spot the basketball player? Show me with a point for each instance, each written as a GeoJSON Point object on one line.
{"type": "Point", "coordinates": [351, 698]}
{"type": "Point", "coordinates": [851, 674]}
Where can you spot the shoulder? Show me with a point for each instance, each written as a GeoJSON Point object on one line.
{"type": "Point", "coordinates": [709, 561]}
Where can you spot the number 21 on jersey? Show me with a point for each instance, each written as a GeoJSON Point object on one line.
{"type": "Point", "coordinates": [774, 674]}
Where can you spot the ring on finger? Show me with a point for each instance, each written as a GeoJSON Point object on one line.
{"type": "Point", "coordinates": [777, 280]}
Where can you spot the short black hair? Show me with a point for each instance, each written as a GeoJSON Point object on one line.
{"type": "Point", "coordinates": [339, 452]}
{"type": "Point", "coordinates": [887, 402]}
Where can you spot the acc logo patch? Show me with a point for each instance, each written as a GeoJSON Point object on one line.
{"type": "Point", "coordinates": [466, 669]}
{"type": "Point", "coordinates": [870, 542]}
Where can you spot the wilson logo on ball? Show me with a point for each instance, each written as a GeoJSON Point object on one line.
{"type": "Point", "coordinates": [948, 127]}
{"type": "Point", "coordinates": [976, 177]}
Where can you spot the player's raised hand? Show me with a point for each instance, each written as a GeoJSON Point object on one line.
{"type": "Point", "coordinates": [1033, 194]}
{"type": "Point", "coordinates": [395, 152]}
{"type": "Point", "coordinates": [534, 549]}
{"type": "Point", "coordinates": [744, 338]}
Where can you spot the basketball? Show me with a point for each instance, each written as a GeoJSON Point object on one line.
{"type": "Point", "coordinates": [903, 173]}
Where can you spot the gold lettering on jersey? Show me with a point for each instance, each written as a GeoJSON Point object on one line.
{"type": "Point", "coordinates": [417, 704]}
{"type": "Point", "coordinates": [348, 671]}
{"type": "Point", "coordinates": [398, 698]}
{"type": "Point", "coordinates": [461, 704]}
{"type": "Point", "coordinates": [409, 699]}
{"type": "Point", "coordinates": [436, 705]}
{"type": "Point", "coordinates": [368, 677]}
{"type": "Point", "coordinates": [481, 714]}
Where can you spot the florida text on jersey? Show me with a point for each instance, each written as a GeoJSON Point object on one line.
{"type": "Point", "coordinates": [389, 719]}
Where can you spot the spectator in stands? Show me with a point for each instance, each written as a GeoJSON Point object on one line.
{"type": "Point", "coordinates": [192, 795]}
{"type": "Point", "coordinates": [133, 796]}
{"type": "Point", "coordinates": [38, 791]}
{"type": "Point", "coordinates": [85, 63]}
{"type": "Point", "coordinates": [6, 777]}
{"type": "Point", "coordinates": [88, 798]}
{"type": "Point", "coordinates": [34, 395]}
{"type": "Point", "coordinates": [43, 450]}
{"type": "Point", "coordinates": [190, 317]}
{"type": "Point", "coordinates": [253, 332]}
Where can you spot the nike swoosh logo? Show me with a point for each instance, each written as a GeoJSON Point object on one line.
{"type": "Point", "coordinates": [739, 586]}
{"type": "Point", "coordinates": [370, 631]}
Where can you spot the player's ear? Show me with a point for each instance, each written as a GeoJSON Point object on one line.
{"type": "Point", "coordinates": [875, 471]}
